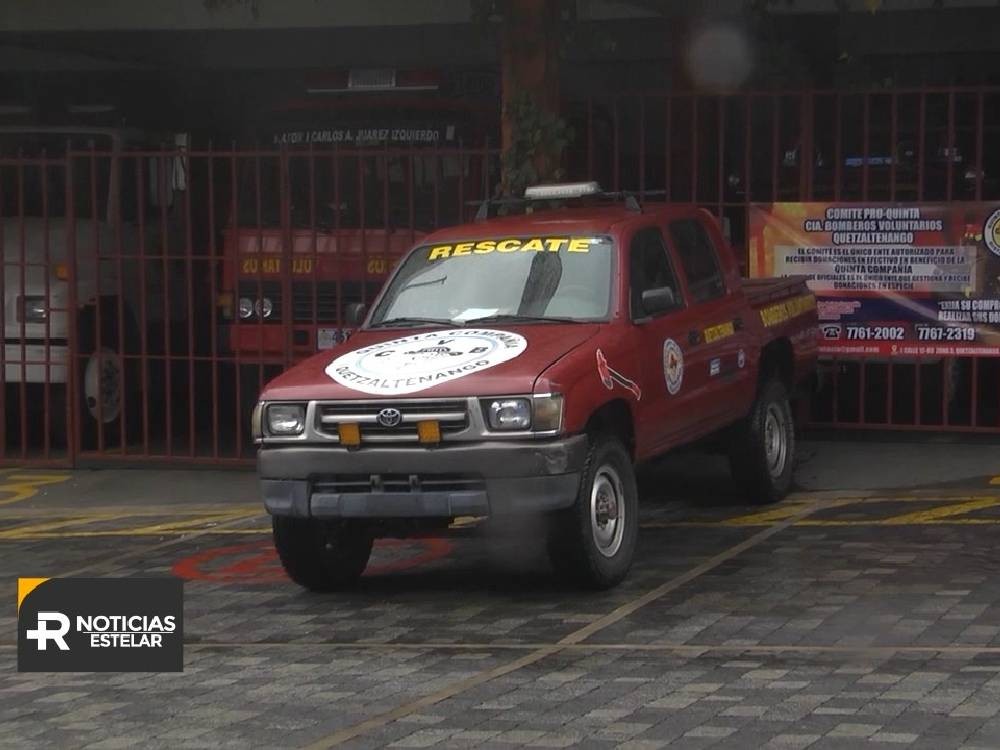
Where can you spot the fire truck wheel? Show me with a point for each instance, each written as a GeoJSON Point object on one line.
{"type": "Point", "coordinates": [320, 555]}
{"type": "Point", "coordinates": [762, 453]}
{"type": "Point", "coordinates": [106, 386]}
{"type": "Point", "coordinates": [593, 543]}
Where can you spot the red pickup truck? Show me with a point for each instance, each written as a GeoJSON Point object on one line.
{"type": "Point", "coordinates": [525, 365]}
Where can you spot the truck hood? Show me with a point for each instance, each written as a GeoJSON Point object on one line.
{"type": "Point", "coordinates": [431, 363]}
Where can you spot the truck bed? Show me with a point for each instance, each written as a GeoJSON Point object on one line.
{"type": "Point", "coordinates": [760, 292]}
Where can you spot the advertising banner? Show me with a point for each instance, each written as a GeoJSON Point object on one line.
{"type": "Point", "coordinates": [891, 279]}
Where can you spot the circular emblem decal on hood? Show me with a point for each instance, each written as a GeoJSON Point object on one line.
{"type": "Point", "coordinates": [414, 363]}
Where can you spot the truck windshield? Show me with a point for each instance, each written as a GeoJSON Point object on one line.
{"type": "Point", "coordinates": [526, 277]}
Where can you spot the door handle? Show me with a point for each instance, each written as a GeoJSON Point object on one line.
{"type": "Point", "coordinates": [694, 337]}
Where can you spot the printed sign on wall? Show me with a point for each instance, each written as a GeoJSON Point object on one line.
{"type": "Point", "coordinates": [891, 279]}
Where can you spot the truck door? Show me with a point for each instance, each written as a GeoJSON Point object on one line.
{"type": "Point", "coordinates": [718, 336]}
{"type": "Point", "coordinates": [668, 389]}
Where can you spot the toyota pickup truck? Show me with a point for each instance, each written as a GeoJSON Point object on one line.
{"type": "Point", "coordinates": [525, 365]}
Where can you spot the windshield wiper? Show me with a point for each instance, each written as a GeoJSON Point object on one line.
{"type": "Point", "coordinates": [399, 322]}
{"type": "Point", "coordinates": [522, 319]}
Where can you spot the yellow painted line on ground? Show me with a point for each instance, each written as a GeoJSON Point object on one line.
{"type": "Point", "coordinates": [576, 637]}
{"type": "Point", "coordinates": [62, 527]}
{"type": "Point", "coordinates": [48, 527]}
{"type": "Point", "coordinates": [941, 512]}
{"type": "Point", "coordinates": [129, 533]}
{"type": "Point", "coordinates": [184, 525]}
{"type": "Point", "coordinates": [125, 511]}
{"type": "Point", "coordinates": [108, 565]}
{"type": "Point", "coordinates": [24, 486]}
{"type": "Point", "coordinates": [948, 513]}
{"type": "Point", "coordinates": [831, 522]}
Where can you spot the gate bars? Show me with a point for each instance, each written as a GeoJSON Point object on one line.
{"type": "Point", "coordinates": [727, 152]}
{"type": "Point", "coordinates": [147, 295]}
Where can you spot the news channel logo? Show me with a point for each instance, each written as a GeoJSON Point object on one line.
{"type": "Point", "coordinates": [100, 625]}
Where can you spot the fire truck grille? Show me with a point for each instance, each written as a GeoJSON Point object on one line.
{"type": "Point", "coordinates": [452, 416]}
{"type": "Point", "coordinates": [314, 301]}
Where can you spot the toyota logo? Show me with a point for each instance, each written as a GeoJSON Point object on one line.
{"type": "Point", "coordinates": [389, 417]}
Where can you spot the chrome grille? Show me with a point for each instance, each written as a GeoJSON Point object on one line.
{"type": "Point", "coordinates": [451, 415]}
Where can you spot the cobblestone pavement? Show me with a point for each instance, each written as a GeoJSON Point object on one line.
{"type": "Point", "coordinates": [837, 619]}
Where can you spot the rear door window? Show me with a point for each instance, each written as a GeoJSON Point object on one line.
{"type": "Point", "coordinates": [700, 259]}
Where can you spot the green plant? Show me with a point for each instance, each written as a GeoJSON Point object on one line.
{"type": "Point", "coordinates": [538, 139]}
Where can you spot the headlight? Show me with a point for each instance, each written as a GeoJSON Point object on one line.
{"type": "Point", "coordinates": [286, 419]}
{"type": "Point", "coordinates": [34, 309]}
{"type": "Point", "coordinates": [509, 414]}
{"type": "Point", "coordinates": [246, 307]}
{"type": "Point", "coordinates": [265, 307]}
{"type": "Point", "coordinates": [548, 410]}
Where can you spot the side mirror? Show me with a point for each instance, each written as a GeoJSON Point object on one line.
{"type": "Point", "coordinates": [659, 300]}
{"type": "Point", "coordinates": [354, 313]}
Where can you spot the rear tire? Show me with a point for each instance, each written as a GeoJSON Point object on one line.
{"type": "Point", "coordinates": [593, 543]}
{"type": "Point", "coordinates": [320, 555]}
{"type": "Point", "coordinates": [762, 453]}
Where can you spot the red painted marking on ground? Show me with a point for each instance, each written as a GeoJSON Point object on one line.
{"type": "Point", "coordinates": [257, 562]}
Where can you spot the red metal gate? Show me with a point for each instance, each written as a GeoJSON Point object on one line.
{"type": "Point", "coordinates": [726, 152]}
{"type": "Point", "coordinates": [146, 293]}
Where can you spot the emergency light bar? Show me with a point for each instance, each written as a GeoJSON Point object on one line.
{"type": "Point", "coordinates": [561, 190]}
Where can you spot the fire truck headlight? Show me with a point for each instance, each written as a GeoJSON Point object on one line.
{"type": "Point", "coordinates": [34, 309]}
{"type": "Point", "coordinates": [246, 308]}
{"type": "Point", "coordinates": [265, 307]}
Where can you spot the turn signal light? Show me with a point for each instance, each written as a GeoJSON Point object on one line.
{"type": "Point", "coordinates": [429, 431]}
{"type": "Point", "coordinates": [62, 271]}
{"type": "Point", "coordinates": [350, 434]}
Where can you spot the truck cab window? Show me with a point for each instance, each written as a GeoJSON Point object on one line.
{"type": "Point", "coordinates": [699, 258]}
{"type": "Point", "coordinates": [649, 268]}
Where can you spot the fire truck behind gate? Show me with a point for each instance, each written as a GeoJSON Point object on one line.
{"type": "Point", "coordinates": [341, 182]}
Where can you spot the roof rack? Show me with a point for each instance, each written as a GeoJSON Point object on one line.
{"type": "Point", "coordinates": [562, 192]}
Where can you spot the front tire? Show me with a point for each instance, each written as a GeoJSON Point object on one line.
{"type": "Point", "coordinates": [319, 555]}
{"type": "Point", "coordinates": [762, 455]}
{"type": "Point", "coordinates": [593, 543]}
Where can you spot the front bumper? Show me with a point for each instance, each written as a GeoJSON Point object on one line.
{"type": "Point", "coordinates": [507, 478]}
